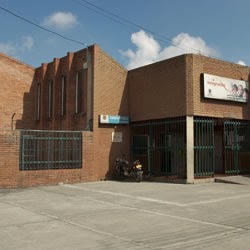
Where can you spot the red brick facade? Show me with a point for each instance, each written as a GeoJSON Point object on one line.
{"type": "Point", "coordinates": [172, 88]}
{"type": "Point", "coordinates": [11, 176]}
{"type": "Point", "coordinates": [212, 108]}
{"type": "Point", "coordinates": [53, 73]}
{"type": "Point", "coordinates": [16, 80]}
{"type": "Point", "coordinates": [158, 90]}
{"type": "Point", "coordinates": [108, 95]}
{"type": "Point", "coordinates": [110, 98]}
{"type": "Point", "coordinates": [33, 99]}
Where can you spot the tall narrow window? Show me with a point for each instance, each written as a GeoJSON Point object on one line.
{"type": "Point", "coordinates": [63, 96]}
{"type": "Point", "coordinates": [38, 101]}
{"type": "Point", "coordinates": [50, 101]}
{"type": "Point", "coordinates": [78, 93]}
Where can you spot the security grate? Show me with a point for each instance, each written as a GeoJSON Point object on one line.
{"type": "Point", "coordinates": [161, 146]}
{"type": "Point", "coordinates": [203, 147]}
{"type": "Point", "coordinates": [40, 150]}
{"type": "Point", "coordinates": [236, 146]}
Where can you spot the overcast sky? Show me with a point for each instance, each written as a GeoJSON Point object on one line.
{"type": "Point", "coordinates": [133, 32]}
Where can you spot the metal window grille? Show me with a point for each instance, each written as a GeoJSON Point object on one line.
{"type": "Point", "coordinates": [40, 150]}
{"type": "Point", "coordinates": [161, 146]}
{"type": "Point", "coordinates": [203, 147]}
{"type": "Point", "coordinates": [236, 146]}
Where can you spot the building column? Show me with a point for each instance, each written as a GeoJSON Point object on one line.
{"type": "Point", "coordinates": [190, 148]}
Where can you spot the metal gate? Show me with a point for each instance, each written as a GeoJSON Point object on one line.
{"type": "Point", "coordinates": [236, 144]}
{"type": "Point", "coordinates": [161, 146]}
{"type": "Point", "coordinates": [40, 150]}
{"type": "Point", "coordinates": [203, 147]}
{"type": "Point", "coordinates": [231, 147]}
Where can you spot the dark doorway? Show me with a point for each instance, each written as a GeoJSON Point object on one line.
{"type": "Point", "coordinates": [236, 147]}
{"type": "Point", "coordinates": [218, 152]}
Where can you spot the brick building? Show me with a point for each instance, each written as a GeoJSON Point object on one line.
{"type": "Point", "coordinates": [67, 94]}
{"type": "Point", "coordinates": [179, 129]}
{"type": "Point", "coordinates": [178, 116]}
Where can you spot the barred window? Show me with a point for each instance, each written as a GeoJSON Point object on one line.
{"type": "Point", "coordinates": [43, 150]}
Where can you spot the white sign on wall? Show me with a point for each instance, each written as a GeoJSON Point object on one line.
{"type": "Point", "coordinates": [222, 88]}
{"type": "Point", "coordinates": [116, 136]}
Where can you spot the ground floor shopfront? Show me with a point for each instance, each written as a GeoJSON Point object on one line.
{"type": "Point", "coordinates": [192, 147]}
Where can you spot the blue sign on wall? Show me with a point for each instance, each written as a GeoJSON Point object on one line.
{"type": "Point", "coordinates": [114, 119]}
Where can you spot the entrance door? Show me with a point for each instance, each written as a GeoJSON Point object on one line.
{"type": "Point", "coordinates": [166, 157]}
{"type": "Point", "coordinates": [141, 150]}
{"type": "Point", "coordinates": [231, 147]}
{"type": "Point", "coordinates": [203, 147]}
{"type": "Point", "coordinates": [218, 152]}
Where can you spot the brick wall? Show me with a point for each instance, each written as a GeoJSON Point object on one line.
{"type": "Point", "coordinates": [158, 90]}
{"type": "Point", "coordinates": [110, 98]}
{"type": "Point", "coordinates": [9, 158]}
{"type": "Point", "coordinates": [216, 108]}
{"type": "Point", "coordinates": [10, 176]}
{"type": "Point", "coordinates": [54, 71]}
{"type": "Point", "coordinates": [16, 80]}
{"type": "Point", "coordinates": [172, 88]}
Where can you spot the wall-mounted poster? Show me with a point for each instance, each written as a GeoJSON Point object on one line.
{"type": "Point", "coordinates": [116, 136]}
{"type": "Point", "coordinates": [223, 88]}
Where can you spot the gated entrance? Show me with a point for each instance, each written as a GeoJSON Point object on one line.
{"type": "Point", "coordinates": [236, 146]}
{"type": "Point", "coordinates": [161, 146]}
{"type": "Point", "coordinates": [231, 147]}
{"type": "Point", "coordinates": [203, 147]}
{"type": "Point", "coordinates": [40, 150]}
{"type": "Point", "coordinates": [228, 145]}
{"type": "Point", "coordinates": [220, 146]}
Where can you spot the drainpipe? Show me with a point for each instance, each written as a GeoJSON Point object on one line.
{"type": "Point", "coordinates": [89, 126]}
{"type": "Point", "coordinates": [12, 121]}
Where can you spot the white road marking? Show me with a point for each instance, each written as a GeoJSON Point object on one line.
{"type": "Point", "coordinates": [135, 197]}
{"type": "Point", "coordinates": [150, 211]}
{"type": "Point", "coordinates": [219, 199]}
{"type": "Point", "coordinates": [141, 198]}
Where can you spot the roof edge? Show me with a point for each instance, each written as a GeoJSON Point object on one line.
{"type": "Point", "coordinates": [16, 60]}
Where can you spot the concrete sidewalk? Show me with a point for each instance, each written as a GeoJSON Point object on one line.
{"type": "Point", "coordinates": [235, 179]}
{"type": "Point", "coordinates": [126, 215]}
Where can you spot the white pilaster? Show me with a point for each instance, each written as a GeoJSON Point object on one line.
{"type": "Point", "coordinates": [190, 148]}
